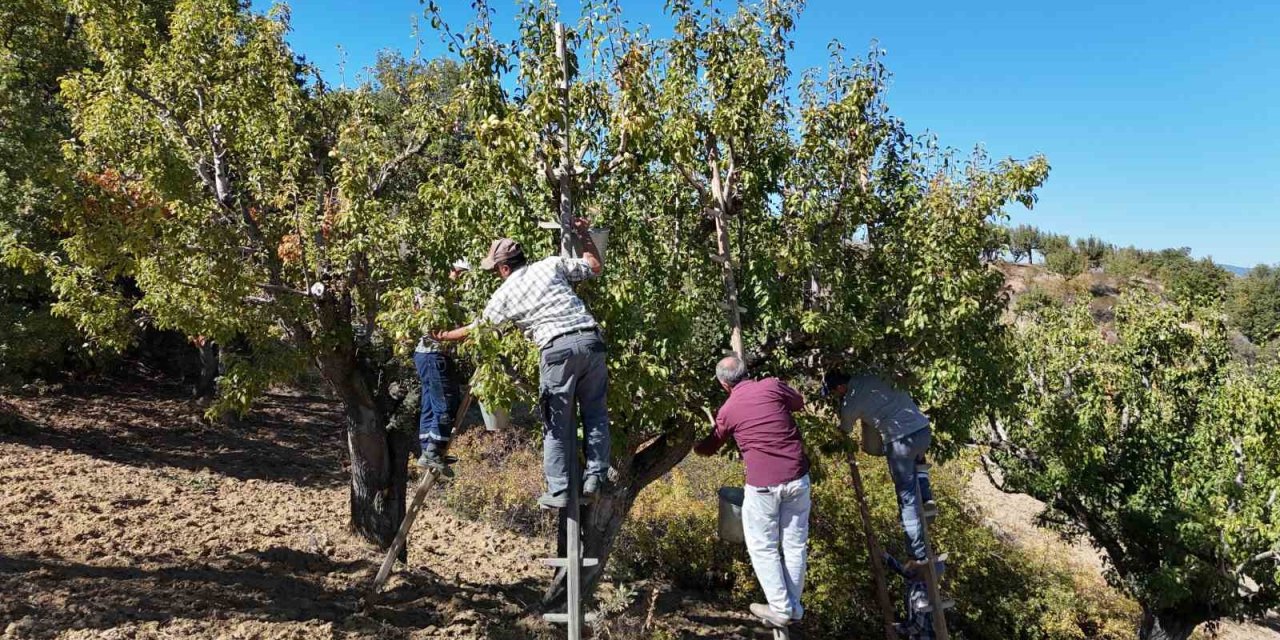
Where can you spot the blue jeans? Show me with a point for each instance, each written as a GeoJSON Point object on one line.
{"type": "Point", "coordinates": [440, 397]}
{"type": "Point", "coordinates": [902, 455]}
{"type": "Point", "coordinates": [573, 378]}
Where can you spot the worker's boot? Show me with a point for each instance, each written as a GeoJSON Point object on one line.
{"type": "Point", "coordinates": [769, 616]}
{"type": "Point", "coordinates": [557, 500]}
{"type": "Point", "coordinates": [591, 489]}
{"type": "Point", "coordinates": [915, 568]}
{"type": "Point", "coordinates": [434, 458]}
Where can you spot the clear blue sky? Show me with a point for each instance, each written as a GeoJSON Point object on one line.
{"type": "Point", "coordinates": [1161, 119]}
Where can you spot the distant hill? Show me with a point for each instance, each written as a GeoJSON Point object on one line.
{"type": "Point", "coordinates": [1240, 271]}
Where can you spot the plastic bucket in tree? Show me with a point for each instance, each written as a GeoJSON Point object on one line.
{"type": "Point", "coordinates": [730, 521]}
{"type": "Point", "coordinates": [599, 236]}
{"type": "Point", "coordinates": [495, 418]}
{"type": "Point", "coordinates": [872, 442]}
{"type": "Point", "coordinates": [601, 239]}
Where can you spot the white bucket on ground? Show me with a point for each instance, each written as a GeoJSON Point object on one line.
{"type": "Point", "coordinates": [730, 520]}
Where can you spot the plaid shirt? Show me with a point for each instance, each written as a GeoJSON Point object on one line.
{"type": "Point", "coordinates": [538, 298]}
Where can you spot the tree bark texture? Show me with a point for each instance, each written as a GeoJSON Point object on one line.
{"type": "Point", "coordinates": [1163, 626]}
{"type": "Point", "coordinates": [379, 456]}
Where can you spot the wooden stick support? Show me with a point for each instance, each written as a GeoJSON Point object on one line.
{"type": "Point", "coordinates": [875, 555]}
{"type": "Point", "coordinates": [429, 479]}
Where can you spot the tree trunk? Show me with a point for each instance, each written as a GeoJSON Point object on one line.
{"type": "Point", "coordinates": [379, 456]}
{"type": "Point", "coordinates": [379, 475]}
{"type": "Point", "coordinates": [1164, 626]}
{"type": "Point", "coordinates": [602, 522]}
{"type": "Point", "coordinates": [724, 257]}
{"type": "Point", "coordinates": [207, 384]}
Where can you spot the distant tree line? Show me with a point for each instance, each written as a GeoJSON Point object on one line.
{"type": "Point", "coordinates": [1251, 302]}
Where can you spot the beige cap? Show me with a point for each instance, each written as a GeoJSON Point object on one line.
{"type": "Point", "coordinates": [502, 250]}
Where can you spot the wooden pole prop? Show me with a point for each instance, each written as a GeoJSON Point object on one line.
{"type": "Point", "coordinates": [428, 479]}
{"type": "Point", "coordinates": [875, 555]}
{"type": "Point", "coordinates": [570, 516]}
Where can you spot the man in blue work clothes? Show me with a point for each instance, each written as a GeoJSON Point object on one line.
{"type": "Point", "coordinates": [906, 434]}
{"type": "Point", "coordinates": [441, 391]}
{"type": "Point", "coordinates": [539, 298]}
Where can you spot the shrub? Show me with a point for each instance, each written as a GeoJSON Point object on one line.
{"type": "Point", "coordinates": [502, 482]}
{"type": "Point", "coordinates": [1036, 298]}
{"type": "Point", "coordinates": [672, 531]}
{"type": "Point", "coordinates": [1066, 262]}
{"type": "Point", "coordinates": [1253, 304]}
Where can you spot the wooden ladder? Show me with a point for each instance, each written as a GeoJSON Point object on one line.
{"type": "Point", "coordinates": [937, 621]}
{"type": "Point", "coordinates": [429, 478]}
{"type": "Point", "coordinates": [938, 604]}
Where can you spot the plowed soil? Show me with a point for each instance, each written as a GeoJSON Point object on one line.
{"type": "Point", "coordinates": [125, 515]}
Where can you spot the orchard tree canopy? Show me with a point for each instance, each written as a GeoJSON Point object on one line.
{"type": "Point", "coordinates": [246, 197]}
{"type": "Point", "coordinates": [39, 44]}
{"type": "Point", "coordinates": [1160, 449]}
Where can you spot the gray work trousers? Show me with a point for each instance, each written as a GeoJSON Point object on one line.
{"type": "Point", "coordinates": [573, 378]}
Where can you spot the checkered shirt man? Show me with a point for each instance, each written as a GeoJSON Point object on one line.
{"type": "Point", "coordinates": [539, 299]}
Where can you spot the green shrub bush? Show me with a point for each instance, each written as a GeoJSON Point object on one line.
{"type": "Point", "coordinates": [1066, 262]}
{"type": "Point", "coordinates": [672, 531]}
{"type": "Point", "coordinates": [502, 482]}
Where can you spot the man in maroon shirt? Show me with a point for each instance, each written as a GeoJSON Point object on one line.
{"type": "Point", "coordinates": [775, 506]}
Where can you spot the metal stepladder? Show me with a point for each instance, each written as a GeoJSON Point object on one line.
{"type": "Point", "coordinates": [571, 538]}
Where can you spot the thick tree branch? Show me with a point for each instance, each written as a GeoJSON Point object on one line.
{"type": "Point", "coordinates": [280, 288]}
{"type": "Point", "coordinates": [388, 170]}
{"type": "Point", "coordinates": [665, 452]}
{"type": "Point", "coordinates": [693, 181]}
{"type": "Point", "coordinates": [605, 168]}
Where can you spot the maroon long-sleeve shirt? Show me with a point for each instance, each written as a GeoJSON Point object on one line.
{"type": "Point", "coordinates": [757, 416]}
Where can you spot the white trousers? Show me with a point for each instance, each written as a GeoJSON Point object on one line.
{"type": "Point", "coordinates": [775, 522]}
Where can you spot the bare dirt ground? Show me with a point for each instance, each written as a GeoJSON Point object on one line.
{"type": "Point", "coordinates": [1013, 516]}
{"type": "Point", "coordinates": [123, 515]}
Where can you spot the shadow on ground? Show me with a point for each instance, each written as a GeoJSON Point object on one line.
{"type": "Point", "coordinates": [278, 584]}
{"type": "Point", "coordinates": [294, 439]}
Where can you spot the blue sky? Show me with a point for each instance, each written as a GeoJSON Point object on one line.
{"type": "Point", "coordinates": [1161, 119]}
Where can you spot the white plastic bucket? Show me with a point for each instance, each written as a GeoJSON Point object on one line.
{"type": "Point", "coordinates": [601, 239]}
{"type": "Point", "coordinates": [730, 517]}
{"type": "Point", "coordinates": [495, 419]}
{"type": "Point", "coordinates": [872, 442]}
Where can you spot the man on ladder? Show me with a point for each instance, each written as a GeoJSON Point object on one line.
{"type": "Point", "coordinates": [439, 374]}
{"type": "Point", "coordinates": [539, 299]}
{"type": "Point", "coordinates": [905, 433]}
